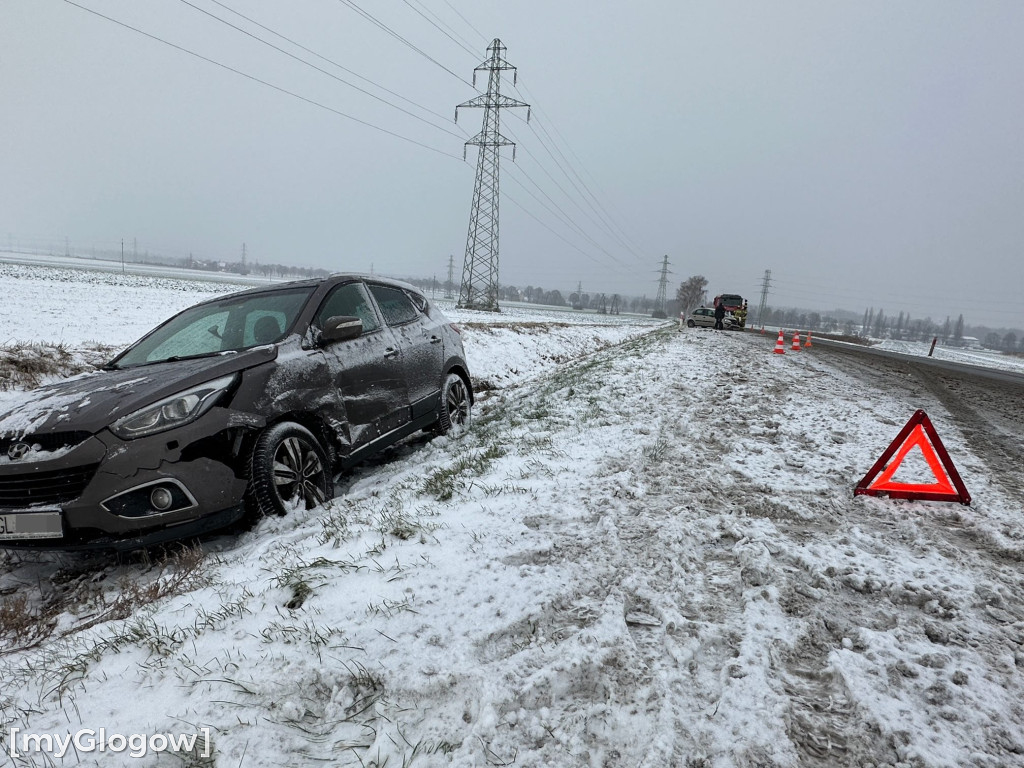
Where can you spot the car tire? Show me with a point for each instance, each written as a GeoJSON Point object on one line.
{"type": "Point", "coordinates": [455, 410]}
{"type": "Point", "coordinates": [690, 324]}
{"type": "Point", "coordinates": [289, 470]}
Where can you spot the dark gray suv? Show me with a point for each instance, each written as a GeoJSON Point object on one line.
{"type": "Point", "coordinates": [249, 402]}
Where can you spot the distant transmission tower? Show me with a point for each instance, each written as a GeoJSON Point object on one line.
{"type": "Point", "coordinates": [765, 282]}
{"type": "Point", "coordinates": [659, 301]}
{"type": "Point", "coordinates": [449, 286]}
{"type": "Point", "coordinates": [479, 288]}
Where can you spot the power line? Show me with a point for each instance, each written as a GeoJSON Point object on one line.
{"type": "Point", "coordinates": [542, 124]}
{"type": "Point", "coordinates": [533, 216]}
{"type": "Point", "coordinates": [564, 218]}
{"type": "Point", "coordinates": [601, 219]}
{"type": "Point", "coordinates": [436, 25]}
{"type": "Point", "coordinates": [380, 24]}
{"type": "Point", "coordinates": [567, 195]}
{"type": "Point", "coordinates": [482, 36]}
{"type": "Point", "coordinates": [258, 80]}
{"type": "Point", "coordinates": [330, 61]}
{"type": "Point", "coordinates": [318, 69]}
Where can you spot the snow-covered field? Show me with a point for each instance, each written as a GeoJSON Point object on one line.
{"type": "Point", "coordinates": [645, 553]}
{"type": "Point", "coordinates": [74, 306]}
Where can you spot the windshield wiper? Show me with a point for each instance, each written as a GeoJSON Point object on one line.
{"type": "Point", "coordinates": [171, 359]}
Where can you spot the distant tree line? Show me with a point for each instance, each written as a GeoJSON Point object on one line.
{"type": "Point", "coordinates": [602, 303]}
{"type": "Point", "coordinates": [899, 327]}
{"type": "Point", "coordinates": [692, 293]}
{"type": "Point", "coordinates": [255, 268]}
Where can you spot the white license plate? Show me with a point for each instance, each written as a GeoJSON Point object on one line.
{"type": "Point", "coordinates": [38, 524]}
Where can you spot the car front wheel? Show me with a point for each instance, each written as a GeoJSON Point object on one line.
{"type": "Point", "coordinates": [690, 324]}
{"type": "Point", "coordinates": [289, 471]}
{"type": "Point", "coordinates": [455, 411]}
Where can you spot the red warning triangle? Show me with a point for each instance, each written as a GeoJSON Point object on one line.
{"type": "Point", "coordinates": [919, 433]}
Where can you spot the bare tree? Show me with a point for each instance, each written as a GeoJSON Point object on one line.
{"type": "Point", "coordinates": [690, 293]}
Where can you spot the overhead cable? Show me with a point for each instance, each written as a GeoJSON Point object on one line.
{"type": "Point", "coordinates": [319, 69]}
{"type": "Point", "coordinates": [260, 81]}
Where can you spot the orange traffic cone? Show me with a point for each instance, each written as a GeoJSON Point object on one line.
{"type": "Point", "coordinates": [796, 342]}
{"type": "Point", "coordinates": [808, 344]}
{"type": "Point", "coordinates": [780, 345]}
{"type": "Point", "coordinates": [762, 330]}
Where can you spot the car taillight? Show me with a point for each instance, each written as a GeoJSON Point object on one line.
{"type": "Point", "coordinates": [455, 328]}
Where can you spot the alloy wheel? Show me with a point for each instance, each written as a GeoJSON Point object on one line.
{"type": "Point", "coordinates": [298, 473]}
{"type": "Point", "coordinates": [457, 404]}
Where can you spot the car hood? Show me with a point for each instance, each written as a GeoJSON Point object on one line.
{"type": "Point", "coordinates": [91, 401]}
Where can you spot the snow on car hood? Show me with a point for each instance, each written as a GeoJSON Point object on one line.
{"type": "Point", "coordinates": [91, 401]}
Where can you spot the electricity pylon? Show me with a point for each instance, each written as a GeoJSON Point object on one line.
{"type": "Point", "coordinates": [449, 286]}
{"type": "Point", "coordinates": [767, 281]}
{"type": "Point", "coordinates": [659, 301]}
{"type": "Point", "coordinates": [479, 288]}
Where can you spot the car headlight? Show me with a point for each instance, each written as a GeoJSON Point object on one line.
{"type": "Point", "coordinates": [174, 411]}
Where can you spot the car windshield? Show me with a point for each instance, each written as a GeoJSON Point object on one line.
{"type": "Point", "coordinates": [229, 325]}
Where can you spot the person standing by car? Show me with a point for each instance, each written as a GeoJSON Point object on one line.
{"type": "Point", "coordinates": [719, 316]}
{"type": "Point", "coordinates": [741, 316]}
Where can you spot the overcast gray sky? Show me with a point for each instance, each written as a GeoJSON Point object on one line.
{"type": "Point", "coordinates": [868, 153]}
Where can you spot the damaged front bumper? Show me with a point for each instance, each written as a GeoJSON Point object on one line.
{"type": "Point", "coordinates": [109, 493]}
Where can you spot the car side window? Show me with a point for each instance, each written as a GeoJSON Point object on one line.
{"type": "Point", "coordinates": [420, 302]}
{"type": "Point", "coordinates": [395, 305]}
{"type": "Point", "coordinates": [349, 300]}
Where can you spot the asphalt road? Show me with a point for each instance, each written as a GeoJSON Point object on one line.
{"type": "Point", "coordinates": [987, 405]}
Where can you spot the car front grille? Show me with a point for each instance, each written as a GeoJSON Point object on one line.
{"type": "Point", "coordinates": [40, 488]}
{"type": "Point", "coordinates": [51, 441]}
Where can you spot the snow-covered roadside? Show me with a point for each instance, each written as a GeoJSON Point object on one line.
{"type": "Point", "coordinates": [983, 357]}
{"type": "Point", "coordinates": [648, 557]}
{"type": "Point", "coordinates": [502, 355]}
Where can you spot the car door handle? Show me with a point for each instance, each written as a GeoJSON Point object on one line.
{"type": "Point", "coordinates": [435, 339]}
{"type": "Point", "coordinates": [391, 352]}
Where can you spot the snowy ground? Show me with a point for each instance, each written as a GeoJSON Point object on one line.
{"type": "Point", "coordinates": [645, 553]}
{"type": "Point", "coordinates": [74, 306]}
{"type": "Point", "coordinates": [983, 357]}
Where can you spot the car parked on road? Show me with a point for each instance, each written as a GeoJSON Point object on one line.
{"type": "Point", "coordinates": [704, 317]}
{"type": "Point", "coordinates": [248, 402]}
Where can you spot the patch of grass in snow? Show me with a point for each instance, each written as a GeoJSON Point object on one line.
{"type": "Point", "coordinates": [657, 453]}
{"type": "Point", "coordinates": [24, 366]}
{"type": "Point", "coordinates": [444, 482]}
{"type": "Point", "coordinates": [389, 608]}
{"type": "Point", "coordinates": [388, 516]}
{"type": "Point", "coordinates": [27, 625]}
{"type": "Point", "coordinates": [316, 636]}
{"type": "Point", "coordinates": [393, 520]}
{"type": "Point", "coordinates": [301, 577]}
{"type": "Point", "coordinates": [335, 527]}
{"type": "Point", "coordinates": [21, 624]}
{"type": "Point", "coordinates": [533, 467]}
{"type": "Point", "coordinates": [502, 489]}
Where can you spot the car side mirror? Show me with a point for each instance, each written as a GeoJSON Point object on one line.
{"type": "Point", "coordinates": [341, 328]}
